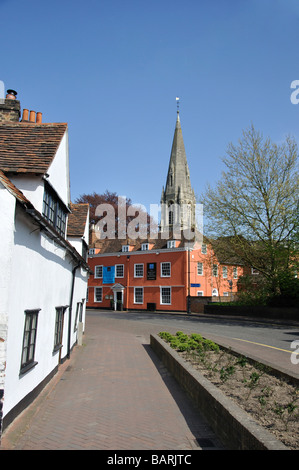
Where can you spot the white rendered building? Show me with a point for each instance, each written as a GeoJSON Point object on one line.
{"type": "Point", "coordinates": [43, 269]}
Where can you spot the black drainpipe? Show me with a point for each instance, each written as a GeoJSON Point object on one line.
{"type": "Point", "coordinates": [70, 311]}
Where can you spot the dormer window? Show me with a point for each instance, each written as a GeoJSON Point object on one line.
{"type": "Point", "coordinates": [54, 210]}
{"type": "Point", "coordinates": [125, 248]}
{"type": "Point", "coordinates": [144, 246]}
{"type": "Point", "coordinates": [171, 244]}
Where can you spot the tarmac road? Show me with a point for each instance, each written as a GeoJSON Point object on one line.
{"type": "Point", "coordinates": [267, 340]}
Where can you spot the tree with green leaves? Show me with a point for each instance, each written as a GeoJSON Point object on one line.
{"type": "Point", "coordinates": [252, 212]}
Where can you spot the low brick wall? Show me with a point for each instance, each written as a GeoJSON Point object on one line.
{"type": "Point", "coordinates": [262, 312]}
{"type": "Point", "coordinates": [232, 425]}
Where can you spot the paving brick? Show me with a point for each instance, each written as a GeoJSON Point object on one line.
{"type": "Point", "coordinates": [113, 393]}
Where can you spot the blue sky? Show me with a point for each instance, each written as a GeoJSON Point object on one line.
{"type": "Point", "coordinates": [112, 70]}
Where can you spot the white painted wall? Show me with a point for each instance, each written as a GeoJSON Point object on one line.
{"type": "Point", "coordinates": [7, 209]}
{"type": "Point", "coordinates": [59, 171]}
{"type": "Point", "coordinates": [32, 187]}
{"type": "Point", "coordinates": [41, 279]}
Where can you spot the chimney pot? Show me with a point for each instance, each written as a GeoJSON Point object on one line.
{"type": "Point", "coordinates": [25, 115]}
{"type": "Point", "coordinates": [11, 95]}
{"type": "Point", "coordinates": [32, 116]}
{"type": "Point", "coordinates": [38, 118]}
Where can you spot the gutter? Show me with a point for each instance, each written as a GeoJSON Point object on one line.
{"type": "Point", "coordinates": [70, 310]}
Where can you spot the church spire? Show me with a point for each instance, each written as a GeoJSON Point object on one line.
{"type": "Point", "coordinates": [178, 196]}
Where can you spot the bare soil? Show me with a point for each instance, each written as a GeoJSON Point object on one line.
{"type": "Point", "coordinates": [271, 401]}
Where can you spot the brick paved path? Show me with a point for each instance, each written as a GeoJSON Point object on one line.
{"type": "Point", "coordinates": [113, 393]}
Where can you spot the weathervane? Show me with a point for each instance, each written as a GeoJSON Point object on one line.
{"type": "Point", "coordinates": [178, 104]}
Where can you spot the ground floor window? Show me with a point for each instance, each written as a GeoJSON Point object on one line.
{"type": "Point", "coordinates": [58, 327]}
{"type": "Point", "coordinates": [166, 295]}
{"type": "Point", "coordinates": [98, 294]}
{"type": "Point", "coordinates": [29, 340]}
{"type": "Point", "coordinates": [79, 312]}
{"type": "Point", "coordinates": [138, 295]}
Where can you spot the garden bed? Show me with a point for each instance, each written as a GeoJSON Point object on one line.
{"type": "Point", "coordinates": [271, 400]}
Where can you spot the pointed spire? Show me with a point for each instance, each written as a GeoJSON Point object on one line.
{"type": "Point", "coordinates": [178, 186]}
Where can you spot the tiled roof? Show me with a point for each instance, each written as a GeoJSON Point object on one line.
{"type": "Point", "coordinates": [159, 243]}
{"type": "Point", "coordinates": [77, 220]}
{"type": "Point", "coordinates": [28, 147]}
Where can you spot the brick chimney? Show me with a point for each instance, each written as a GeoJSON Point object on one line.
{"type": "Point", "coordinates": [10, 109]}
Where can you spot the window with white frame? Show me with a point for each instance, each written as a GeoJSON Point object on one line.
{"type": "Point", "coordinates": [225, 294]}
{"type": "Point", "coordinates": [200, 269]}
{"type": "Point", "coordinates": [125, 248]}
{"type": "Point", "coordinates": [138, 295]}
{"type": "Point", "coordinates": [224, 272]}
{"type": "Point", "coordinates": [171, 244]}
{"type": "Point", "coordinates": [166, 295]}
{"type": "Point", "coordinates": [204, 249]}
{"type": "Point", "coordinates": [235, 273]}
{"type": "Point", "coordinates": [138, 270]}
{"type": "Point", "coordinates": [144, 247]}
{"type": "Point", "coordinates": [98, 294]}
{"type": "Point", "coordinates": [199, 293]}
{"type": "Point", "coordinates": [215, 270]}
{"type": "Point", "coordinates": [254, 271]}
{"type": "Point", "coordinates": [98, 272]}
{"type": "Point", "coordinates": [119, 270]}
{"type": "Point", "coordinates": [91, 251]}
{"type": "Point", "coordinates": [165, 269]}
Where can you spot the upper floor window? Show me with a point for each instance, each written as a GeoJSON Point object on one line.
{"type": "Point", "coordinates": [84, 250]}
{"type": "Point", "coordinates": [254, 271]}
{"type": "Point", "coordinates": [224, 271]}
{"type": "Point", "coordinates": [144, 246]}
{"type": "Point", "coordinates": [171, 244]}
{"type": "Point", "coordinates": [235, 273]}
{"type": "Point", "coordinates": [119, 270]}
{"type": "Point", "coordinates": [125, 248]}
{"type": "Point", "coordinates": [138, 270]}
{"type": "Point", "coordinates": [204, 249]}
{"type": "Point", "coordinates": [98, 272]}
{"type": "Point", "coordinates": [200, 269]}
{"type": "Point", "coordinates": [165, 269]}
{"type": "Point", "coordinates": [215, 270]}
{"type": "Point", "coordinates": [54, 210]}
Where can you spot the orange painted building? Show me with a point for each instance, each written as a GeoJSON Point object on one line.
{"type": "Point", "coordinates": [156, 275]}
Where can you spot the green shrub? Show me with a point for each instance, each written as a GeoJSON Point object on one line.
{"type": "Point", "coordinates": [184, 342]}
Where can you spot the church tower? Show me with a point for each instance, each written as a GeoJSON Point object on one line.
{"type": "Point", "coordinates": [178, 199]}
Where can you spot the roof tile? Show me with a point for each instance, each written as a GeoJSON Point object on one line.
{"type": "Point", "coordinates": [29, 147]}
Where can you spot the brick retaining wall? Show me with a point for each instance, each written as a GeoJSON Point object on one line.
{"type": "Point", "coordinates": [235, 427]}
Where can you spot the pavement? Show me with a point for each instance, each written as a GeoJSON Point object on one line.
{"type": "Point", "coordinates": [112, 394]}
